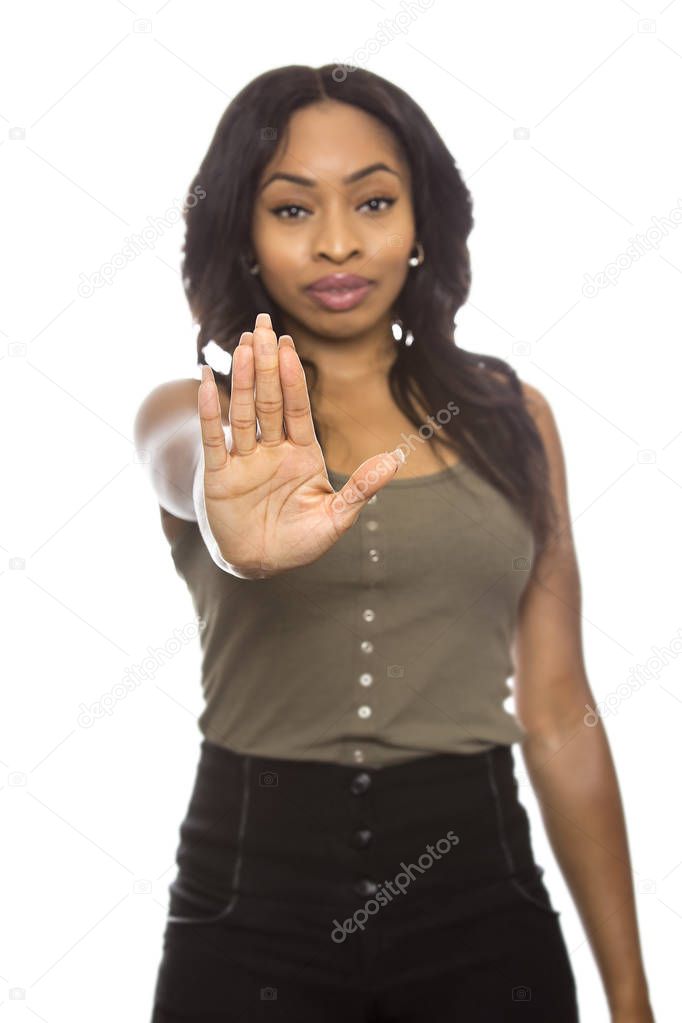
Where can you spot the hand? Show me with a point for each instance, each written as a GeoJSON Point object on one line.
{"type": "Point", "coordinates": [269, 502]}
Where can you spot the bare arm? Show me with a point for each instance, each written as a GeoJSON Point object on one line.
{"type": "Point", "coordinates": [569, 762]}
{"type": "Point", "coordinates": [167, 427]}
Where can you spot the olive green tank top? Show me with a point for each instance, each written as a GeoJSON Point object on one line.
{"type": "Point", "coordinates": [395, 644]}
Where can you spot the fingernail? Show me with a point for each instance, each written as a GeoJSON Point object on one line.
{"type": "Point", "coordinates": [399, 454]}
{"type": "Point", "coordinates": [263, 320]}
{"type": "Point", "coordinates": [205, 373]}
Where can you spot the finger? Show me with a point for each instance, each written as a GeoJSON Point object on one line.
{"type": "Point", "coordinates": [365, 482]}
{"type": "Point", "coordinates": [212, 435]}
{"type": "Point", "coordinates": [297, 413]}
{"type": "Point", "coordinates": [242, 411]}
{"type": "Point", "coordinates": [269, 400]}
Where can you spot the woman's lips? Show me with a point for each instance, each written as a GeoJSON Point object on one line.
{"type": "Point", "coordinates": [340, 299]}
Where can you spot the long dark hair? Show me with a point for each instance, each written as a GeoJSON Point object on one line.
{"type": "Point", "coordinates": [493, 430]}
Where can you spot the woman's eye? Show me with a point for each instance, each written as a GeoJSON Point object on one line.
{"type": "Point", "coordinates": [279, 210]}
{"type": "Point", "coordinates": [380, 198]}
{"type": "Point", "coordinates": [291, 206]}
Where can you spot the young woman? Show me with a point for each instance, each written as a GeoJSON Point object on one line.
{"type": "Point", "coordinates": [373, 524]}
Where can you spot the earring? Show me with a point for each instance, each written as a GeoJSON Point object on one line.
{"type": "Point", "coordinates": [254, 269]}
{"type": "Point", "coordinates": [419, 259]}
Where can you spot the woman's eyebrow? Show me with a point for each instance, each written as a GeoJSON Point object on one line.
{"type": "Point", "coordinates": [348, 180]}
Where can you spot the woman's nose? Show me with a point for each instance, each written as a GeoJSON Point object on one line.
{"type": "Point", "coordinates": [335, 239]}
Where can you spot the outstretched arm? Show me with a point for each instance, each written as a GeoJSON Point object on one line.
{"type": "Point", "coordinates": [168, 441]}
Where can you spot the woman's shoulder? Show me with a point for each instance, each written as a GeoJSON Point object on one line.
{"type": "Point", "coordinates": [180, 393]}
{"type": "Point", "coordinates": [537, 405]}
{"type": "Point", "coordinates": [534, 399]}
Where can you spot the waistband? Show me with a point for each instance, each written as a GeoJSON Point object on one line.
{"type": "Point", "coordinates": [331, 834]}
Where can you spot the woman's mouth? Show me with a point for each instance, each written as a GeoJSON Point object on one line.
{"type": "Point", "coordinates": [340, 298]}
{"type": "Point", "coordinates": [340, 292]}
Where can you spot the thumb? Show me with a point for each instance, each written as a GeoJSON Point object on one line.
{"type": "Point", "coordinates": [370, 476]}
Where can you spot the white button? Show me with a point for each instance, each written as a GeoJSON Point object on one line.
{"type": "Point", "coordinates": [372, 524]}
{"type": "Point", "coordinates": [366, 646]}
{"type": "Point", "coordinates": [358, 756]}
{"type": "Point", "coordinates": [364, 711]}
{"type": "Point", "coordinates": [372, 499]}
{"type": "Point", "coordinates": [373, 554]}
{"type": "Point", "coordinates": [365, 679]}
{"type": "Point", "coordinates": [368, 614]}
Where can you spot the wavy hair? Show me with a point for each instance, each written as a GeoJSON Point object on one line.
{"type": "Point", "coordinates": [493, 431]}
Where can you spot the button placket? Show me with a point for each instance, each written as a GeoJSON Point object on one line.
{"type": "Point", "coordinates": [373, 573]}
{"type": "Point", "coordinates": [373, 546]}
{"type": "Point", "coordinates": [372, 570]}
{"type": "Point", "coordinates": [361, 836]}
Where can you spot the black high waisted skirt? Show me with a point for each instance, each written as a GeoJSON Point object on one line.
{"type": "Point", "coordinates": [310, 891]}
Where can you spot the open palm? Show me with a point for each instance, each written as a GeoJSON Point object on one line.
{"type": "Point", "coordinates": [269, 502]}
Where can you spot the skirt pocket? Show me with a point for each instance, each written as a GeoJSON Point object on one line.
{"type": "Point", "coordinates": [190, 907]}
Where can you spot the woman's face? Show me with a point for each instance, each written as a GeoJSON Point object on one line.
{"type": "Point", "coordinates": [302, 232]}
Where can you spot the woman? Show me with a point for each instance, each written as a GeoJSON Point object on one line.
{"type": "Point", "coordinates": [373, 525]}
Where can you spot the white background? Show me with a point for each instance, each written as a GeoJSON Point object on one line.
{"type": "Point", "coordinates": [103, 126]}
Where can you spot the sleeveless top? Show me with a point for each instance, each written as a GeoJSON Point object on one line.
{"type": "Point", "coordinates": [395, 644]}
